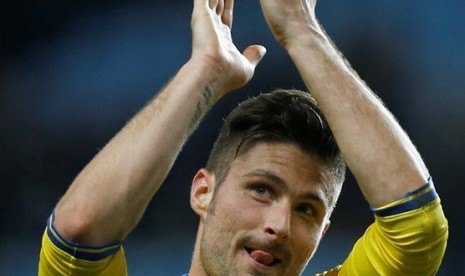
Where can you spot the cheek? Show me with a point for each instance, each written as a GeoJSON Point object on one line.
{"type": "Point", "coordinates": [236, 212]}
{"type": "Point", "coordinates": [306, 240]}
{"type": "Point", "coordinates": [226, 224]}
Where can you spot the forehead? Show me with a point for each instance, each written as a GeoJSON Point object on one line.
{"type": "Point", "coordinates": [285, 163]}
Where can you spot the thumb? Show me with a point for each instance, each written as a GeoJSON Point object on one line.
{"type": "Point", "coordinates": [254, 54]}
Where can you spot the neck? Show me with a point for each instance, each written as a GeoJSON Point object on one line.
{"type": "Point", "coordinates": [196, 268]}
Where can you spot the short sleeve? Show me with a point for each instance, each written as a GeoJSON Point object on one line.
{"type": "Point", "coordinates": [61, 257]}
{"type": "Point", "coordinates": [408, 237]}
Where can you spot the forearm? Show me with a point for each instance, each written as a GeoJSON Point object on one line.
{"type": "Point", "coordinates": [379, 153]}
{"type": "Point", "coordinates": [108, 198]}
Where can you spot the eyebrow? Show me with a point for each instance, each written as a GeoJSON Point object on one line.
{"type": "Point", "coordinates": [283, 185]}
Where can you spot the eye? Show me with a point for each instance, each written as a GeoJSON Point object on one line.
{"type": "Point", "coordinates": [306, 209]}
{"type": "Point", "coordinates": [262, 190]}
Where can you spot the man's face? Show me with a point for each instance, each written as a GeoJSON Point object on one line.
{"type": "Point", "coordinates": [268, 215]}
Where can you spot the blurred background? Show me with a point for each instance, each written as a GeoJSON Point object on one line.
{"type": "Point", "coordinates": [73, 72]}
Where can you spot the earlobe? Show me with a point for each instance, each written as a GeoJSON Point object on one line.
{"type": "Point", "coordinates": [201, 192]}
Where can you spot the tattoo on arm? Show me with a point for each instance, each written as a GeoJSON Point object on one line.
{"type": "Point", "coordinates": [202, 106]}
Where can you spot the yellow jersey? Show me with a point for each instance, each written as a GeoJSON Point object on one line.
{"type": "Point", "coordinates": [408, 237]}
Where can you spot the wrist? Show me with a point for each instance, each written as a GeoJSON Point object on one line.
{"type": "Point", "coordinates": [314, 46]}
{"type": "Point", "coordinates": [305, 37]}
{"type": "Point", "coordinates": [209, 73]}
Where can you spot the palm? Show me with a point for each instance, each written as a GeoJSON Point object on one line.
{"type": "Point", "coordinates": [212, 41]}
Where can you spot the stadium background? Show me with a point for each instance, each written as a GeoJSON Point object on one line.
{"type": "Point", "coordinates": [73, 72]}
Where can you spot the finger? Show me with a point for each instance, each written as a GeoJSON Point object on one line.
{"type": "Point", "coordinates": [254, 54]}
{"type": "Point", "coordinates": [220, 7]}
{"type": "Point", "coordinates": [227, 16]}
{"type": "Point", "coordinates": [202, 3]}
{"type": "Point", "coordinates": [200, 6]}
{"type": "Point", "coordinates": [213, 4]}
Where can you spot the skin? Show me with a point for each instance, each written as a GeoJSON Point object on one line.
{"type": "Point", "coordinates": [271, 202]}
{"type": "Point", "coordinates": [378, 152]}
{"type": "Point", "coordinates": [134, 164]}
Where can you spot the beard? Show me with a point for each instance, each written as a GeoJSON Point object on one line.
{"type": "Point", "coordinates": [218, 250]}
{"type": "Point", "coordinates": [213, 256]}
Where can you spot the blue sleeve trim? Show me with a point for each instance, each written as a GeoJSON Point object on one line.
{"type": "Point", "coordinates": [416, 200]}
{"type": "Point", "coordinates": [77, 250]}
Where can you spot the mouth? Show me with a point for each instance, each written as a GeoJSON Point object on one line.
{"type": "Point", "coordinates": [262, 258]}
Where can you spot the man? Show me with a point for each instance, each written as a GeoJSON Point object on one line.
{"type": "Point", "coordinates": [275, 172]}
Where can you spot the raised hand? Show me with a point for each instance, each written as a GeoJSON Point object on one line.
{"type": "Point", "coordinates": [290, 19]}
{"type": "Point", "coordinates": [212, 42]}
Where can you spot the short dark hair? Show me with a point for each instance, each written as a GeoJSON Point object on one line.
{"type": "Point", "coordinates": [281, 116]}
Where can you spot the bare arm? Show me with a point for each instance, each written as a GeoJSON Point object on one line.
{"type": "Point", "coordinates": [379, 153]}
{"type": "Point", "coordinates": [108, 198]}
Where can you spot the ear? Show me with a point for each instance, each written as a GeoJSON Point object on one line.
{"type": "Point", "coordinates": [326, 227]}
{"type": "Point", "coordinates": [203, 185]}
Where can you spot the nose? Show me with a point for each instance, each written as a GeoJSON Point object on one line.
{"type": "Point", "coordinates": [278, 221]}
